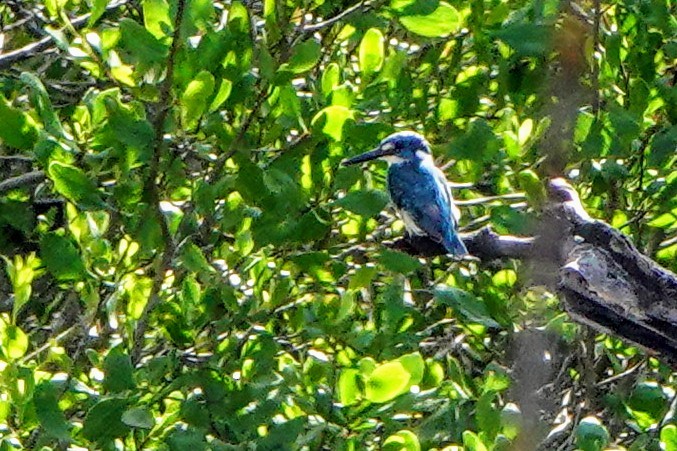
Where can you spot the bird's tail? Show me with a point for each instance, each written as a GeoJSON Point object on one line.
{"type": "Point", "coordinates": [456, 247]}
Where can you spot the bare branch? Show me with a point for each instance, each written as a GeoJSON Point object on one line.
{"type": "Point", "coordinates": [151, 190]}
{"type": "Point", "coordinates": [603, 280]}
{"type": "Point", "coordinates": [31, 178]}
{"type": "Point", "coordinates": [361, 6]}
{"type": "Point", "coordinates": [44, 44]}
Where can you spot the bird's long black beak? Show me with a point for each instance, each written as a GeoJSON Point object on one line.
{"type": "Point", "coordinates": [367, 156]}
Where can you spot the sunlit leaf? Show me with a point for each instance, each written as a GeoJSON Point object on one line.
{"type": "Point", "coordinates": [75, 185]}
{"type": "Point", "coordinates": [13, 341]}
{"type": "Point", "coordinates": [330, 78]}
{"type": "Point", "coordinates": [414, 365]}
{"type": "Point", "coordinates": [348, 387]}
{"type": "Point", "coordinates": [304, 57]}
{"type": "Point", "coordinates": [443, 21]}
{"type": "Point", "coordinates": [386, 382]}
{"type": "Point", "coordinates": [669, 438]}
{"type": "Point", "coordinates": [157, 19]}
{"type": "Point", "coordinates": [403, 440]}
{"type": "Point", "coordinates": [138, 290]}
{"type": "Point", "coordinates": [372, 52]}
{"type": "Point", "coordinates": [194, 98]}
{"type": "Point", "coordinates": [331, 120]}
{"type": "Point", "coordinates": [222, 95]}
{"type": "Point", "coordinates": [473, 442]}
{"type": "Point", "coordinates": [18, 129]}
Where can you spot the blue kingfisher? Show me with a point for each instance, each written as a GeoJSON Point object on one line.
{"type": "Point", "coordinates": [418, 189]}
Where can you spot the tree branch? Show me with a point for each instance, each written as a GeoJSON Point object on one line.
{"type": "Point", "coordinates": [363, 5]}
{"type": "Point", "coordinates": [30, 178]}
{"type": "Point", "coordinates": [32, 49]}
{"type": "Point", "coordinates": [151, 190]}
{"type": "Point", "coordinates": [602, 279]}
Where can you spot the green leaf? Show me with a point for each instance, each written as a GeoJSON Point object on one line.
{"type": "Point", "coordinates": [669, 438]}
{"type": "Point", "coordinates": [238, 19]}
{"type": "Point", "coordinates": [194, 99]}
{"type": "Point", "coordinates": [61, 257]}
{"type": "Point", "coordinates": [372, 52]}
{"type": "Point", "coordinates": [386, 382]}
{"type": "Point", "coordinates": [398, 261]}
{"type": "Point", "coordinates": [403, 440]}
{"type": "Point", "coordinates": [466, 305]}
{"type": "Point", "coordinates": [443, 21]}
{"type": "Point", "coordinates": [13, 341]}
{"type": "Point", "coordinates": [591, 435]}
{"type": "Point", "coordinates": [103, 423]}
{"type": "Point", "coordinates": [194, 260]}
{"type": "Point", "coordinates": [527, 39]}
{"type": "Point", "coordinates": [331, 78]}
{"type": "Point", "coordinates": [156, 18]}
{"type": "Point", "coordinates": [73, 184]}
{"type": "Point", "coordinates": [330, 121]}
{"type": "Point", "coordinates": [21, 273]}
{"type": "Point", "coordinates": [348, 387]}
{"type": "Point", "coordinates": [190, 292]}
{"type": "Point", "coordinates": [42, 103]}
{"type": "Point", "coordinates": [304, 57]}
{"type": "Point", "coordinates": [138, 417]}
{"type": "Point", "coordinates": [98, 8]}
{"type": "Point", "coordinates": [137, 289]}
{"type": "Point", "coordinates": [533, 187]}
{"type": "Point", "coordinates": [222, 95]}
{"type": "Point", "coordinates": [414, 7]}
{"type": "Point", "coordinates": [52, 419]}
{"type": "Point", "coordinates": [504, 278]}
{"type": "Point", "coordinates": [666, 220]}
{"type": "Point", "coordinates": [182, 439]}
{"type": "Point", "coordinates": [140, 43]}
{"type": "Point", "coordinates": [118, 371]}
{"type": "Point", "coordinates": [414, 365]}
{"type": "Point", "coordinates": [368, 203]}
{"type": "Point", "coordinates": [18, 129]}
{"type": "Point", "coordinates": [472, 442]}
{"type": "Point", "coordinates": [647, 404]}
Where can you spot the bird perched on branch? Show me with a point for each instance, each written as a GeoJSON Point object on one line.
{"type": "Point", "coordinates": [418, 189]}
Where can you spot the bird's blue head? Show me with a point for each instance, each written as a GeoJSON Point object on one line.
{"type": "Point", "coordinates": [396, 148]}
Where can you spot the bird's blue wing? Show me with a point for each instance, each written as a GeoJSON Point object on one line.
{"type": "Point", "coordinates": [422, 193]}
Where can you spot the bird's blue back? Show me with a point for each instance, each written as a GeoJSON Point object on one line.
{"type": "Point", "coordinates": [419, 189]}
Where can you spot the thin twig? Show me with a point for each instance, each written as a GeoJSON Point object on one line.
{"type": "Point", "coordinates": [21, 158]}
{"type": "Point", "coordinates": [329, 22]}
{"type": "Point", "coordinates": [32, 49]}
{"type": "Point", "coordinates": [616, 377]}
{"type": "Point", "coordinates": [487, 199]}
{"type": "Point", "coordinates": [151, 189]}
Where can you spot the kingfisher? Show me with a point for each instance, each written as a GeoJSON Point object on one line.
{"type": "Point", "coordinates": [418, 189]}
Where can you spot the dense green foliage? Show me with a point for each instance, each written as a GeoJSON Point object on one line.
{"type": "Point", "coordinates": [214, 279]}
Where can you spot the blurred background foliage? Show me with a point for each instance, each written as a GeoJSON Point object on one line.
{"type": "Point", "coordinates": [190, 268]}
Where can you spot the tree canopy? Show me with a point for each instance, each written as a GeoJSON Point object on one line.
{"type": "Point", "coordinates": [186, 265]}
